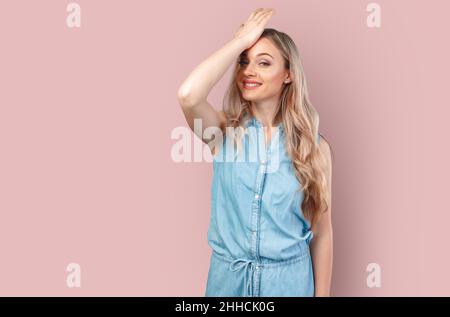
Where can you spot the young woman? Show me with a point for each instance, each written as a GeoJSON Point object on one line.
{"type": "Point", "coordinates": [264, 212]}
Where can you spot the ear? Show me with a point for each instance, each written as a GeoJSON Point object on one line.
{"type": "Point", "coordinates": [287, 80]}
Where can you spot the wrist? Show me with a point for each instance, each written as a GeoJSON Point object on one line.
{"type": "Point", "coordinates": [239, 43]}
{"type": "Point", "coordinates": [320, 293]}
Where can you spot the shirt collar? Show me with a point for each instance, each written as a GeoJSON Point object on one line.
{"type": "Point", "coordinates": [256, 123]}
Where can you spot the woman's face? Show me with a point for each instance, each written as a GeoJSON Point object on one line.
{"type": "Point", "coordinates": [262, 63]}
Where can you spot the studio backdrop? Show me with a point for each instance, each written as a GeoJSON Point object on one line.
{"type": "Point", "coordinates": [96, 200]}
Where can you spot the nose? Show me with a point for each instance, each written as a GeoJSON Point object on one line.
{"type": "Point", "coordinates": [249, 70]}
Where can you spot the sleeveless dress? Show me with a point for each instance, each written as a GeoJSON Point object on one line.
{"type": "Point", "coordinates": [257, 232]}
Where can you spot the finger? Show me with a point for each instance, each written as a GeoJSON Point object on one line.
{"type": "Point", "coordinates": [252, 16]}
{"type": "Point", "coordinates": [264, 17]}
{"type": "Point", "coordinates": [258, 12]}
{"type": "Point", "coordinates": [263, 13]}
{"type": "Point", "coordinates": [253, 13]}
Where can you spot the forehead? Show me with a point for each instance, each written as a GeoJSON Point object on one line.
{"type": "Point", "coordinates": [263, 45]}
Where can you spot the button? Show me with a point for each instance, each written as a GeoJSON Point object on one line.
{"type": "Point", "coordinates": [256, 196]}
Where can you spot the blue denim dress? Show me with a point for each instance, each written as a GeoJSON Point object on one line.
{"type": "Point", "coordinates": [258, 234]}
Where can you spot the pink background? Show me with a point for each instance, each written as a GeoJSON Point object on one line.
{"type": "Point", "coordinates": [86, 116]}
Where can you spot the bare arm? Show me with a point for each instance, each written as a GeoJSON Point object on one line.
{"type": "Point", "coordinates": [322, 244]}
{"type": "Point", "coordinates": [193, 93]}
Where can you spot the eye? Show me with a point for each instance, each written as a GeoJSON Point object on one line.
{"type": "Point", "coordinates": [242, 62]}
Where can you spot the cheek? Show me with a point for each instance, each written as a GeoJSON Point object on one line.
{"type": "Point", "coordinates": [274, 83]}
{"type": "Point", "coordinates": [274, 78]}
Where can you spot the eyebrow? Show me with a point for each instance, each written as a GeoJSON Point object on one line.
{"type": "Point", "coordinates": [245, 54]}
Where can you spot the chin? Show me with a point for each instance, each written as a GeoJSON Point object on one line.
{"type": "Point", "coordinates": [250, 99]}
{"type": "Point", "coordinates": [250, 96]}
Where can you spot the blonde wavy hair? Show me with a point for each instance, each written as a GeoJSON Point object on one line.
{"type": "Point", "coordinates": [300, 121]}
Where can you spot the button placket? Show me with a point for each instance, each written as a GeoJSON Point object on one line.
{"type": "Point", "coordinates": [264, 156]}
{"type": "Point", "coordinates": [261, 176]}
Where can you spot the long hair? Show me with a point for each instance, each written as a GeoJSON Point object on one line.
{"type": "Point", "coordinates": [300, 121]}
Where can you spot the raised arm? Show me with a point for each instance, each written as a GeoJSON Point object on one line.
{"type": "Point", "coordinates": [193, 92]}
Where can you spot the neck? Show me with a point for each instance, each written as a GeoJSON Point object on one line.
{"type": "Point", "coordinates": [264, 112]}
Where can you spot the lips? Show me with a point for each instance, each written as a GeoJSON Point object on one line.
{"type": "Point", "coordinates": [251, 84]}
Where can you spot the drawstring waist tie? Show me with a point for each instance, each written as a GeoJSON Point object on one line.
{"type": "Point", "coordinates": [253, 267]}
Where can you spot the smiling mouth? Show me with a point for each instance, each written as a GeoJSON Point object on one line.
{"type": "Point", "coordinates": [251, 85]}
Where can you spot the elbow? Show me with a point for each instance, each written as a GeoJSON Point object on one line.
{"type": "Point", "coordinates": [182, 95]}
{"type": "Point", "coordinates": [185, 97]}
{"type": "Point", "coordinates": [325, 233]}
